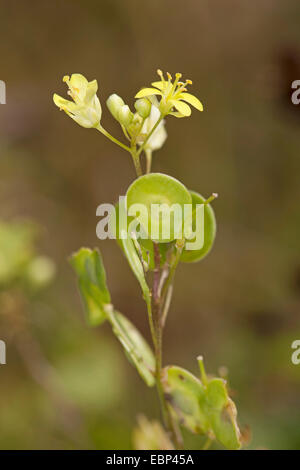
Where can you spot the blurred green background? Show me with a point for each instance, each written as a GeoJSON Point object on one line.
{"type": "Point", "coordinates": [68, 386]}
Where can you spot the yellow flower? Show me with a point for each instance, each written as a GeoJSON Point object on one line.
{"type": "Point", "coordinates": [173, 95]}
{"type": "Point", "coordinates": [86, 108]}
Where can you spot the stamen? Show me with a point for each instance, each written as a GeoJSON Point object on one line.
{"type": "Point", "coordinates": [159, 72]}
{"type": "Point", "coordinates": [66, 78]}
{"type": "Point", "coordinates": [169, 76]}
{"type": "Point", "coordinates": [189, 82]}
{"type": "Point", "coordinates": [177, 77]}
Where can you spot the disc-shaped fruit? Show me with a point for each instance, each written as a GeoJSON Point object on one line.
{"type": "Point", "coordinates": [157, 201]}
{"type": "Point", "coordinates": [191, 256]}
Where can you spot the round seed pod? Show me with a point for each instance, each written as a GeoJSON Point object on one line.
{"type": "Point", "coordinates": [146, 245]}
{"type": "Point", "coordinates": [192, 256]}
{"type": "Point", "coordinates": [154, 199]}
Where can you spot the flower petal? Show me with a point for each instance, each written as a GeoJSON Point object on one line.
{"type": "Point", "coordinates": [176, 114]}
{"type": "Point", "coordinates": [61, 102]}
{"type": "Point", "coordinates": [91, 90]}
{"type": "Point", "coordinates": [147, 92]}
{"type": "Point", "coordinates": [191, 99]}
{"type": "Point", "coordinates": [160, 85]}
{"type": "Point", "coordinates": [182, 107]}
{"type": "Point", "coordinates": [79, 84]}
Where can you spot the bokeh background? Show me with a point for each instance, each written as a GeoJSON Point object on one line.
{"type": "Point", "coordinates": [68, 386]}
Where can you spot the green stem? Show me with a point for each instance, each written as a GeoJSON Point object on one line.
{"type": "Point", "coordinates": [168, 419]}
{"type": "Point", "coordinates": [113, 139]}
{"type": "Point", "coordinates": [136, 162]}
{"type": "Point", "coordinates": [151, 322]}
{"type": "Point", "coordinates": [179, 248]}
{"type": "Point", "coordinates": [148, 160]}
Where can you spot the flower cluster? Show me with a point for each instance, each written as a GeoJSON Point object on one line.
{"type": "Point", "coordinates": [144, 128]}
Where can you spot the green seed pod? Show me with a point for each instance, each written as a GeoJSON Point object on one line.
{"type": "Point", "coordinates": [114, 103]}
{"type": "Point", "coordinates": [125, 116]}
{"type": "Point", "coordinates": [192, 256]}
{"type": "Point", "coordinates": [143, 107]}
{"type": "Point", "coordinates": [146, 245]}
{"type": "Point", "coordinates": [156, 200]}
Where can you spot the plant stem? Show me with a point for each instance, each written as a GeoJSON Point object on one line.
{"type": "Point", "coordinates": [179, 247]}
{"type": "Point", "coordinates": [136, 161]}
{"type": "Point", "coordinates": [148, 160]}
{"type": "Point", "coordinates": [168, 419]}
{"type": "Point", "coordinates": [113, 139]}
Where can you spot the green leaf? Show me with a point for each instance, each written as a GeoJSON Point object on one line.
{"type": "Point", "coordinates": [221, 412]}
{"type": "Point", "coordinates": [146, 246]}
{"type": "Point", "coordinates": [92, 284]}
{"type": "Point", "coordinates": [135, 264]}
{"type": "Point", "coordinates": [128, 247]}
{"type": "Point", "coordinates": [136, 348]}
{"type": "Point", "coordinates": [184, 391]}
{"type": "Point", "coordinates": [202, 406]}
{"type": "Point", "coordinates": [89, 268]}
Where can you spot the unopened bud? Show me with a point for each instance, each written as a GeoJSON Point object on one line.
{"type": "Point", "coordinates": [125, 116]}
{"type": "Point", "coordinates": [143, 107]}
{"type": "Point", "coordinates": [114, 103]}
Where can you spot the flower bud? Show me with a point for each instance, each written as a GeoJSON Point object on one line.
{"type": "Point", "coordinates": [143, 107]}
{"type": "Point", "coordinates": [125, 116]}
{"type": "Point", "coordinates": [114, 103]}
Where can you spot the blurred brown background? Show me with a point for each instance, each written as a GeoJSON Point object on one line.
{"type": "Point", "coordinates": [240, 306]}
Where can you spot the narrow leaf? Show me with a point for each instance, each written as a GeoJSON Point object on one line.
{"type": "Point", "coordinates": [136, 348]}
{"type": "Point", "coordinates": [127, 245]}
{"type": "Point", "coordinates": [89, 268]}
